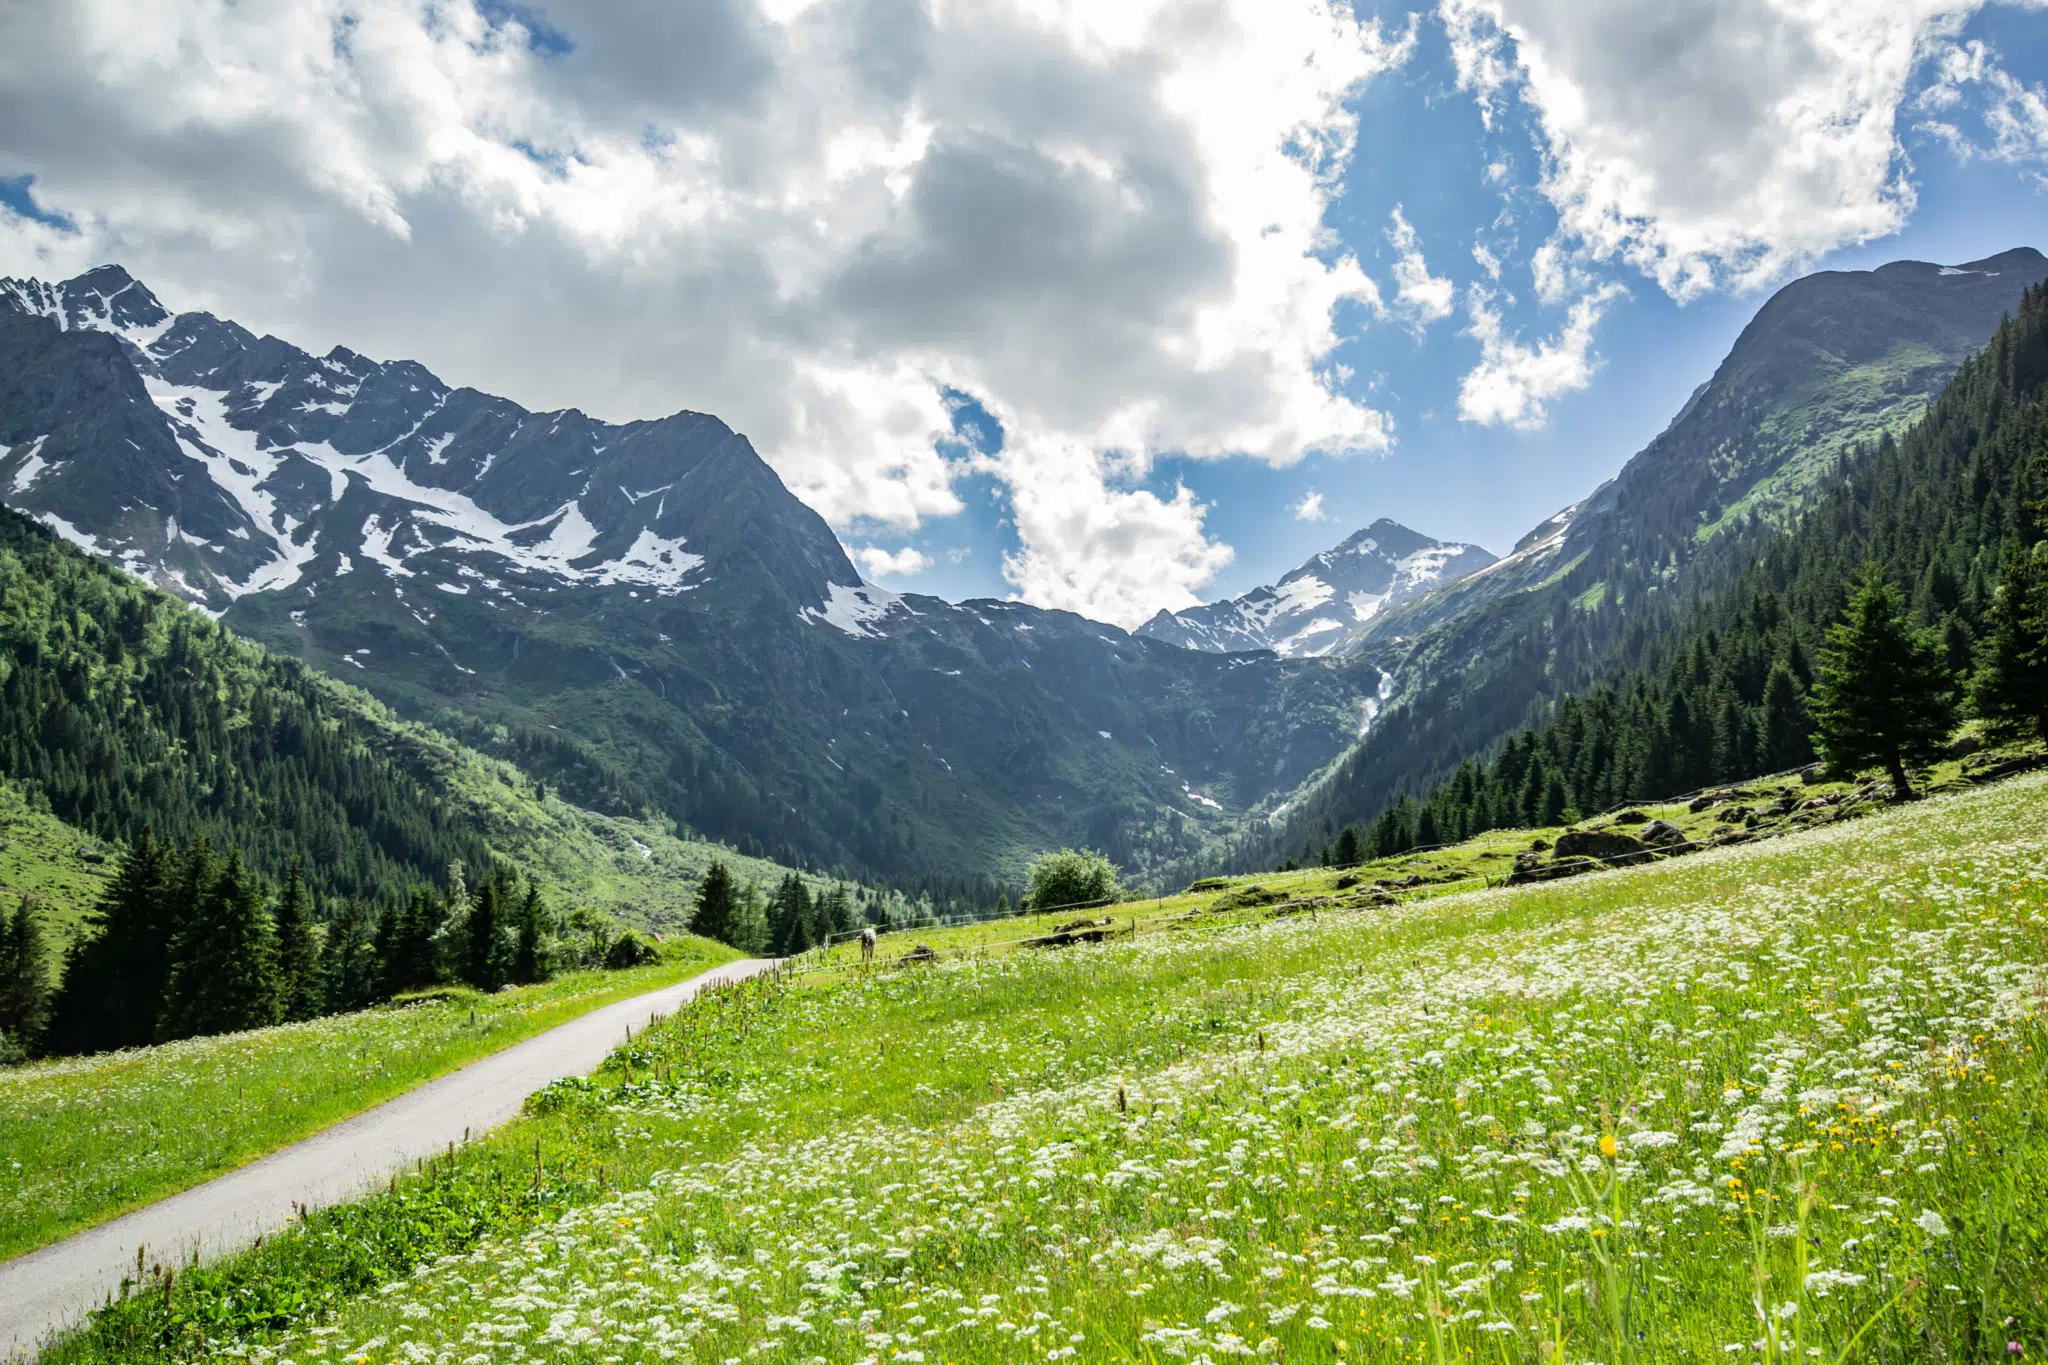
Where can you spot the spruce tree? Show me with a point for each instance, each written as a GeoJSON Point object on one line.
{"type": "Point", "coordinates": [412, 952]}
{"type": "Point", "coordinates": [1350, 849]}
{"type": "Point", "coordinates": [790, 927]}
{"type": "Point", "coordinates": [1884, 697]}
{"type": "Point", "coordinates": [483, 948]}
{"type": "Point", "coordinates": [2010, 688]}
{"type": "Point", "coordinates": [298, 947]}
{"type": "Point", "coordinates": [113, 984]}
{"type": "Point", "coordinates": [350, 976]}
{"type": "Point", "coordinates": [717, 903]}
{"type": "Point", "coordinates": [750, 921]}
{"type": "Point", "coordinates": [529, 952]}
{"type": "Point", "coordinates": [24, 978]}
{"type": "Point", "coordinates": [224, 962]}
{"type": "Point", "coordinates": [1786, 724]}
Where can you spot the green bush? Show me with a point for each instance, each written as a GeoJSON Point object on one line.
{"type": "Point", "coordinates": [1072, 877]}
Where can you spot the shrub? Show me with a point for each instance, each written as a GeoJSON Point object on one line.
{"type": "Point", "coordinates": [1072, 877]}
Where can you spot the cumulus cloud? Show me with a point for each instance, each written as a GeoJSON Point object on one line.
{"type": "Point", "coordinates": [1708, 143]}
{"type": "Point", "coordinates": [814, 219]}
{"type": "Point", "coordinates": [2014, 114]}
{"type": "Point", "coordinates": [1424, 297]}
{"type": "Point", "coordinates": [1310, 508]}
{"type": "Point", "coordinates": [1106, 552]}
{"type": "Point", "coordinates": [876, 562]}
{"type": "Point", "coordinates": [1514, 380]}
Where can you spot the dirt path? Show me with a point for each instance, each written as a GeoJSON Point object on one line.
{"type": "Point", "coordinates": [50, 1288]}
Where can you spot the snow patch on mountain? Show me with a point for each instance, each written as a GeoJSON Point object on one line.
{"type": "Point", "coordinates": [31, 467]}
{"type": "Point", "coordinates": [855, 610]}
{"type": "Point", "coordinates": [1315, 608]}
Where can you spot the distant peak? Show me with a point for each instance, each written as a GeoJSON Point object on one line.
{"type": "Point", "coordinates": [109, 294]}
{"type": "Point", "coordinates": [2019, 258]}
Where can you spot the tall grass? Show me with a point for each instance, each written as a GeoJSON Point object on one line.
{"type": "Point", "coordinates": [1773, 1103]}
{"type": "Point", "coordinates": [85, 1139]}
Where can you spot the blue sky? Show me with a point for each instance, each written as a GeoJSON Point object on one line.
{"type": "Point", "coordinates": [1042, 298]}
{"type": "Point", "coordinates": [1422, 146]}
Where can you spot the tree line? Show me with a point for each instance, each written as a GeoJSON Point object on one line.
{"type": "Point", "coordinates": [1928, 551]}
{"type": "Point", "coordinates": [187, 941]}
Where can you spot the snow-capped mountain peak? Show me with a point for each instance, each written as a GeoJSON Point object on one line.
{"type": "Point", "coordinates": [219, 464]}
{"type": "Point", "coordinates": [1317, 606]}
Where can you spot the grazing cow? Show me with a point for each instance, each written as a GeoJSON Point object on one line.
{"type": "Point", "coordinates": [867, 944]}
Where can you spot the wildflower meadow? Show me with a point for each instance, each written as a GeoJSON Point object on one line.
{"type": "Point", "coordinates": [1771, 1103]}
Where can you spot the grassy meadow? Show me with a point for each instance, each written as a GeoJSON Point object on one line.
{"type": "Point", "coordinates": [1773, 1102]}
{"type": "Point", "coordinates": [85, 1139]}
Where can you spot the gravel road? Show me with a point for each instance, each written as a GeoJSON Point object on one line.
{"type": "Point", "coordinates": [48, 1289]}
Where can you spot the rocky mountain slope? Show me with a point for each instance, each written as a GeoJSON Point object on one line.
{"type": "Point", "coordinates": [641, 614]}
{"type": "Point", "coordinates": [1317, 607]}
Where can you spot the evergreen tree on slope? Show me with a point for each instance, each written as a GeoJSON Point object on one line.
{"type": "Point", "coordinates": [1884, 697]}
{"type": "Point", "coordinates": [24, 978]}
{"type": "Point", "coordinates": [298, 947]}
{"type": "Point", "coordinates": [114, 977]}
{"type": "Point", "coordinates": [717, 902]}
{"type": "Point", "coordinates": [2010, 689]}
{"type": "Point", "coordinates": [224, 963]}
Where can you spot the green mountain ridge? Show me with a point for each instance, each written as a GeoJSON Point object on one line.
{"type": "Point", "coordinates": [1832, 363]}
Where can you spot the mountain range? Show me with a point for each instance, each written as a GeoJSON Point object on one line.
{"type": "Point", "coordinates": [643, 616]}
{"type": "Point", "coordinates": [1316, 608]}
{"type": "Point", "coordinates": [640, 614]}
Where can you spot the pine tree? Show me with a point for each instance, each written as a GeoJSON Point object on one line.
{"type": "Point", "coordinates": [1786, 724]}
{"type": "Point", "coordinates": [1350, 849]}
{"type": "Point", "coordinates": [529, 953]}
{"type": "Point", "coordinates": [1884, 696]}
{"type": "Point", "coordinates": [298, 947]}
{"type": "Point", "coordinates": [717, 902]}
{"type": "Point", "coordinates": [113, 985]}
{"type": "Point", "coordinates": [2010, 688]}
{"type": "Point", "coordinates": [350, 976]}
{"type": "Point", "coordinates": [483, 947]}
{"type": "Point", "coordinates": [790, 928]}
{"type": "Point", "coordinates": [24, 978]}
{"type": "Point", "coordinates": [224, 962]}
{"type": "Point", "coordinates": [410, 949]}
{"type": "Point", "coordinates": [750, 921]}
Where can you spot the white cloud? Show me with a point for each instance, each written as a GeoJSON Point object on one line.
{"type": "Point", "coordinates": [1513, 381]}
{"type": "Point", "coordinates": [2014, 114]}
{"type": "Point", "coordinates": [1424, 297]}
{"type": "Point", "coordinates": [1108, 553]}
{"type": "Point", "coordinates": [876, 562]}
{"type": "Point", "coordinates": [1103, 219]}
{"type": "Point", "coordinates": [1708, 143]}
{"type": "Point", "coordinates": [1310, 508]}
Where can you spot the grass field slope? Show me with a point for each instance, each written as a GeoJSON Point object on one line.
{"type": "Point", "coordinates": [1775, 1101]}
{"type": "Point", "coordinates": [86, 1139]}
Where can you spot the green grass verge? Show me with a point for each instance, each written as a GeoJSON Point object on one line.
{"type": "Point", "coordinates": [1771, 1102]}
{"type": "Point", "coordinates": [86, 1139]}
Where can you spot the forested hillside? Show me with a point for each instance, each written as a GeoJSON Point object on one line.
{"type": "Point", "coordinates": [1716, 690]}
{"type": "Point", "coordinates": [124, 709]}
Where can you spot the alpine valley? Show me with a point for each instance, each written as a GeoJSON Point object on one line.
{"type": "Point", "coordinates": [644, 618]}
